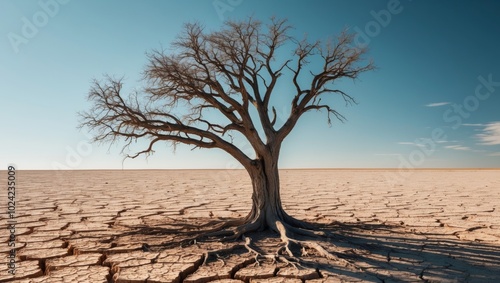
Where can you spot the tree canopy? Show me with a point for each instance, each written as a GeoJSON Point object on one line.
{"type": "Point", "coordinates": [228, 71]}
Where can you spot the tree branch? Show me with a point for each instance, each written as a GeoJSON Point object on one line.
{"type": "Point", "coordinates": [340, 60]}
{"type": "Point", "coordinates": [222, 75]}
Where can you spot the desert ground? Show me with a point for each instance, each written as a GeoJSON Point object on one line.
{"type": "Point", "coordinates": [120, 226]}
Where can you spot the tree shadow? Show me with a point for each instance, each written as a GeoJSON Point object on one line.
{"type": "Point", "coordinates": [367, 251]}
{"type": "Point", "coordinates": [390, 252]}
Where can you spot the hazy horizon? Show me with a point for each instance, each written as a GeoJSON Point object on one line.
{"type": "Point", "coordinates": [298, 169]}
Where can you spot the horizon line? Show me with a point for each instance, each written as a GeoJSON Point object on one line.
{"type": "Point", "coordinates": [237, 169]}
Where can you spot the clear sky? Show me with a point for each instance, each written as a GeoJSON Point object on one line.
{"type": "Point", "coordinates": [434, 100]}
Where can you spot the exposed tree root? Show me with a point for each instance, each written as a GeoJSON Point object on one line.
{"type": "Point", "coordinates": [290, 235]}
{"type": "Point", "coordinates": [285, 230]}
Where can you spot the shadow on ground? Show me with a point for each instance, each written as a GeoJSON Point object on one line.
{"type": "Point", "coordinates": [366, 252]}
{"type": "Point", "coordinates": [399, 253]}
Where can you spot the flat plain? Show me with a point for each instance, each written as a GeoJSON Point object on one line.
{"type": "Point", "coordinates": [120, 226]}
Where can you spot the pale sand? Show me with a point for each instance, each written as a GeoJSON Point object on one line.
{"type": "Point", "coordinates": [422, 226]}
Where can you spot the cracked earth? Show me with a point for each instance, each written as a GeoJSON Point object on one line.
{"type": "Point", "coordinates": [117, 226]}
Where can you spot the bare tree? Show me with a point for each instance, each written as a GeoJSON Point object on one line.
{"type": "Point", "coordinates": [230, 74]}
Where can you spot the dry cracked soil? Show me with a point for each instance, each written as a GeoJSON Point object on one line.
{"type": "Point", "coordinates": [120, 226]}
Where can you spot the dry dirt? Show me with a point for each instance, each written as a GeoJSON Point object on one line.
{"type": "Point", "coordinates": [120, 226]}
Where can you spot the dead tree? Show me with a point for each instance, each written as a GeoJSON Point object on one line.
{"type": "Point", "coordinates": [231, 73]}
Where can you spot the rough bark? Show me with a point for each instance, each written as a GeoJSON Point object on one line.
{"type": "Point", "coordinates": [267, 210]}
{"type": "Point", "coordinates": [266, 200]}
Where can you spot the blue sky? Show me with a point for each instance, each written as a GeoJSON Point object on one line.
{"type": "Point", "coordinates": [433, 101]}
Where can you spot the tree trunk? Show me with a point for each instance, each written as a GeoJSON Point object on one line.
{"type": "Point", "coordinates": [266, 199]}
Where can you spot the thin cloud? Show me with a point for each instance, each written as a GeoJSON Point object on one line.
{"type": "Point", "coordinates": [411, 143]}
{"type": "Point", "coordinates": [457, 147]}
{"type": "Point", "coordinates": [473, 125]}
{"type": "Point", "coordinates": [446, 141]}
{"type": "Point", "coordinates": [491, 134]}
{"type": "Point", "coordinates": [494, 154]}
{"type": "Point", "coordinates": [437, 104]}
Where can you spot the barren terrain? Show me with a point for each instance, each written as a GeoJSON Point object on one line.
{"type": "Point", "coordinates": [128, 226]}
